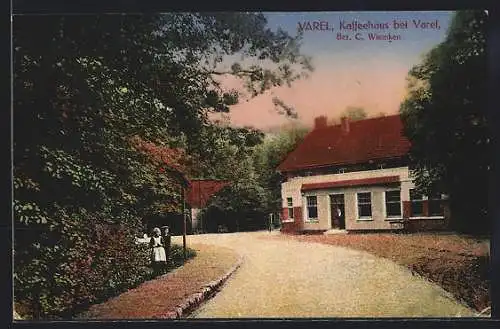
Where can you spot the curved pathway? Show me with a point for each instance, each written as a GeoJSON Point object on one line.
{"type": "Point", "coordinates": [296, 279]}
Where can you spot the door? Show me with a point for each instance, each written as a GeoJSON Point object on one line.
{"type": "Point", "coordinates": [337, 211]}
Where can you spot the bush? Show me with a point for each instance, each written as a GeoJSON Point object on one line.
{"type": "Point", "coordinates": [85, 266]}
{"type": "Point", "coordinates": [176, 258]}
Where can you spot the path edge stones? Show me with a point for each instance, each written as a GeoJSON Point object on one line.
{"type": "Point", "coordinates": [206, 292]}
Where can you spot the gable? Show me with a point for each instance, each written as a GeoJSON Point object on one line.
{"type": "Point", "coordinates": [201, 191]}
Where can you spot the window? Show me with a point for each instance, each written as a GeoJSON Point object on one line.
{"type": "Point", "coordinates": [341, 171]}
{"type": "Point", "coordinates": [312, 207]}
{"type": "Point", "coordinates": [393, 203]}
{"type": "Point", "coordinates": [435, 205]}
{"type": "Point", "coordinates": [365, 205]}
{"type": "Point", "coordinates": [289, 202]}
{"type": "Point", "coordinates": [417, 203]}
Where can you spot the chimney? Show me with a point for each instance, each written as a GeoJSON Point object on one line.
{"type": "Point", "coordinates": [345, 124]}
{"type": "Point", "coordinates": [320, 122]}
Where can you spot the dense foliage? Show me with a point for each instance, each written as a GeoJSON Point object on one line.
{"type": "Point", "coordinates": [267, 158]}
{"type": "Point", "coordinates": [98, 102]}
{"type": "Point", "coordinates": [255, 190]}
{"type": "Point", "coordinates": [354, 113]}
{"type": "Point", "coordinates": [445, 119]}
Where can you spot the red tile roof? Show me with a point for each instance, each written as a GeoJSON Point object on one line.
{"type": "Point", "coordinates": [370, 139]}
{"type": "Point", "coordinates": [350, 182]}
{"type": "Point", "coordinates": [202, 190]}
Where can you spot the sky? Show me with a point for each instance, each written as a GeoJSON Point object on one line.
{"type": "Point", "coordinates": [363, 73]}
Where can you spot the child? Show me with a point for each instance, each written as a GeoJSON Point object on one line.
{"type": "Point", "coordinates": [167, 238]}
{"type": "Point", "coordinates": [158, 255]}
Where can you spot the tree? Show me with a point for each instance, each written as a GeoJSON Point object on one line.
{"type": "Point", "coordinates": [249, 163]}
{"type": "Point", "coordinates": [354, 113]}
{"type": "Point", "coordinates": [84, 88]}
{"type": "Point", "coordinates": [267, 158]}
{"type": "Point", "coordinates": [222, 151]}
{"type": "Point", "coordinates": [445, 119]}
{"type": "Point", "coordinates": [240, 207]}
{"type": "Point", "coordinates": [228, 156]}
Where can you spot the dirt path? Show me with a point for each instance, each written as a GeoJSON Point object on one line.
{"type": "Point", "coordinates": [284, 278]}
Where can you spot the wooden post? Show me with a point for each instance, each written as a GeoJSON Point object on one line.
{"type": "Point", "coordinates": [200, 216]}
{"type": "Point", "coordinates": [184, 222]}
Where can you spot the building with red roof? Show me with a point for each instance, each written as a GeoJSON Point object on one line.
{"type": "Point", "coordinates": [173, 163]}
{"type": "Point", "coordinates": [198, 195]}
{"type": "Point", "coordinates": [355, 176]}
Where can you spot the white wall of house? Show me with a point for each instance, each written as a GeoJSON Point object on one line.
{"type": "Point", "coordinates": [378, 220]}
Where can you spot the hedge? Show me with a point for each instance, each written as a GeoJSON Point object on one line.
{"type": "Point", "coordinates": [59, 275]}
